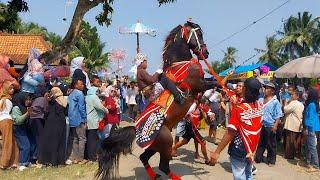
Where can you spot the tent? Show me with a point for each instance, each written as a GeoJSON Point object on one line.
{"type": "Point", "coordinates": [244, 72]}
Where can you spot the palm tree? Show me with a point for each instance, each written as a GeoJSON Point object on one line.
{"type": "Point", "coordinates": [90, 47]}
{"type": "Point", "coordinates": [298, 35]}
{"type": "Point", "coordinates": [93, 53]}
{"type": "Point", "coordinates": [229, 58]}
{"type": "Point", "coordinates": [33, 28]}
{"type": "Point", "coordinates": [272, 53]}
{"type": "Point", "coordinates": [53, 39]}
{"type": "Point", "coordinates": [216, 66]}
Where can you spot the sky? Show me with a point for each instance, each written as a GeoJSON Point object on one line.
{"type": "Point", "coordinates": [218, 20]}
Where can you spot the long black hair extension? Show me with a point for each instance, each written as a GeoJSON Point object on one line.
{"type": "Point", "coordinates": [119, 142]}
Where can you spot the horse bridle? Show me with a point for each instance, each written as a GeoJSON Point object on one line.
{"type": "Point", "coordinates": [187, 35]}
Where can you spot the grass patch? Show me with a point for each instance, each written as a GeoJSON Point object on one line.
{"type": "Point", "coordinates": [52, 173]}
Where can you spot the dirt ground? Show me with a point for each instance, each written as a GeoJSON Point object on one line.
{"type": "Point", "coordinates": [184, 165]}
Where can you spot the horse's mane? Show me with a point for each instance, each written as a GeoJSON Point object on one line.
{"type": "Point", "coordinates": [171, 37]}
{"type": "Point", "coordinates": [169, 40]}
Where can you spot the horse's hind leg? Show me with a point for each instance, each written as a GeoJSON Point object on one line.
{"type": "Point", "coordinates": [163, 144]}
{"type": "Point", "coordinates": [165, 158]}
{"type": "Point", "coordinates": [144, 158]}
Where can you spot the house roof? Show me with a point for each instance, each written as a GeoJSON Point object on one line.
{"type": "Point", "coordinates": [17, 46]}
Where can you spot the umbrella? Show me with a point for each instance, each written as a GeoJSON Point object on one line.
{"type": "Point", "coordinates": [138, 29]}
{"type": "Point", "coordinates": [305, 67]}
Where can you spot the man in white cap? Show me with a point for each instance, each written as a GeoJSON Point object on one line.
{"type": "Point", "coordinates": [145, 80]}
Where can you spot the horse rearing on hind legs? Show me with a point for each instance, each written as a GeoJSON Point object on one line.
{"type": "Point", "coordinates": [154, 125]}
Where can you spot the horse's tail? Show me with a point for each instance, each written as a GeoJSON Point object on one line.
{"type": "Point", "coordinates": [119, 142]}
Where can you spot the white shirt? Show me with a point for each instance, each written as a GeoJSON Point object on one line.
{"type": "Point", "coordinates": [131, 96]}
{"type": "Point", "coordinates": [213, 96]}
{"type": "Point", "coordinates": [5, 113]}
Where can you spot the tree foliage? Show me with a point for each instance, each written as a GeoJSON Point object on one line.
{"type": "Point", "coordinates": [230, 56]}
{"type": "Point", "coordinates": [51, 38]}
{"type": "Point", "coordinates": [9, 19]}
{"type": "Point", "coordinates": [90, 47]}
{"type": "Point", "coordinates": [228, 61]}
{"type": "Point", "coordinates": [299, 37]}
{"type": "Point", "coordinates": [75, 31]}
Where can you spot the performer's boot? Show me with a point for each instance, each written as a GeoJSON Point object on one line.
{"type": "Point", "coordinates": [168, 84]}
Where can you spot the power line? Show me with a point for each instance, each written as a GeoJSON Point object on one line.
{"type": "Point", "coordinates": [247, 60]}
{"type": "Point", "coordinates": [251, 24]}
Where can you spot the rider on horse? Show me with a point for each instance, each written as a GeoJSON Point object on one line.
{"type": "Point", "coordinates": [153, 85]}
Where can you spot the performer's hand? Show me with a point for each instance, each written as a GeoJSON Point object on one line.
{"type": "Point", "coordinates": [212, 117]}
{"type": "Point", "coordinates": [233, 100]}
{"type": "Point", "coordinates": [159, 71]}
{"type": "Point", "coordinates": [230, 73]}
{"type": "Point", "coordinates": [214, 158]}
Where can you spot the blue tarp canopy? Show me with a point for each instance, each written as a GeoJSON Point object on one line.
{"type": "Point", "coordinates": [246, 68]}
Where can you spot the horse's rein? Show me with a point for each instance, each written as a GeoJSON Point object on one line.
{"type": "Point", "coordinates": [185, 34]}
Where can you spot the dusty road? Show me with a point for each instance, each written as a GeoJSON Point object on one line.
{"type": "Point", "coordinates": [189, 168]}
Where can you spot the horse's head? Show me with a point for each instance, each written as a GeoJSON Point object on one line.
{"type": "Point", "coordinates": [193, 35]}
{"type": "Point", "coordinates": [180, 41]}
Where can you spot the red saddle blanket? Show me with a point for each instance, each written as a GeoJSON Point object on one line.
{"type": "Point", "coordinates": [150, 121]}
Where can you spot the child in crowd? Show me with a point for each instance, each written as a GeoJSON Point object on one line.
{"type": "Point", "coordinates": [20, 114]}
{"type": "Point", "coordinates": [95, 113]}
{"type": "Point", "coordinates": [78, 122]}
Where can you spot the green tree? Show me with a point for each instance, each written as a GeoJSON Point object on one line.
{"type": "Point", "coordinates": [298, 35]}
{"type": "Point", "coordinates": [90, 47]}
{"type": "Point", "coordinates": [33, 28]}
{"type": "Point", "coordinates": [230, 57]}
{"type": "Point", "coordinates": [272, 53]}
{"type": "Point", "coordinates": [75, 31]}
{"type": "Point", "coordinates": [9, 19]}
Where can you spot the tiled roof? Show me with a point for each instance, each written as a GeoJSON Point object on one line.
{"type": "Point", "coordinates": [17, 46]}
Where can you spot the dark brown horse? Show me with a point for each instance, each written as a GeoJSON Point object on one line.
{"type": "Point", "coordinates": [177, 48]}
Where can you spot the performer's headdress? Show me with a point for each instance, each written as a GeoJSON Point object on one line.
{"type": "Point", "coordinates": [139, 58]}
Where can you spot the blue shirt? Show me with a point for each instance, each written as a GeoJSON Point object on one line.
{"type": "Point", "coordinates": [285, 96]}
{"type": "Point", "coordinates": [77, 108]}
{"type": "Point", "coordinates": [30, 82]}
{"type": "Point", "coordinates": [271, 112]}
{"type": "Point", "coordinates": [312, 118]}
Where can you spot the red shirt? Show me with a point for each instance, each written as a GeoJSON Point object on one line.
{"type": "Point", "coordinates": [113, 116]}
{"type": "Point", "coordinates": [232, 95]}
{"type": "Point", "coordinates": [195, 118]}
{"type": "Point", "coordinates": [196, 114]}
{"type": "Point", "coordinates": [246, 119]}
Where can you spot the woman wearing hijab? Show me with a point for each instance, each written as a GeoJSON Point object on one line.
{"type": "Point", "coordinates": [312, 127]}
{"type": "Point", "coordinates": [38, 115]}
{"type": "Point", "coordinates": [77, 71]}
{"type": "Point", "coordinates": [54, 153]}
{"type": "Point", "coordinates": [10, 152]}
{"type": "Point", "coordinates": [34, 75]}
{"type": "Point", "coordinates": [20, 114]}
{"type": "Point", "coordinates": [95, 113]}
{"type": "Point", "coordinates": [4, 74]}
